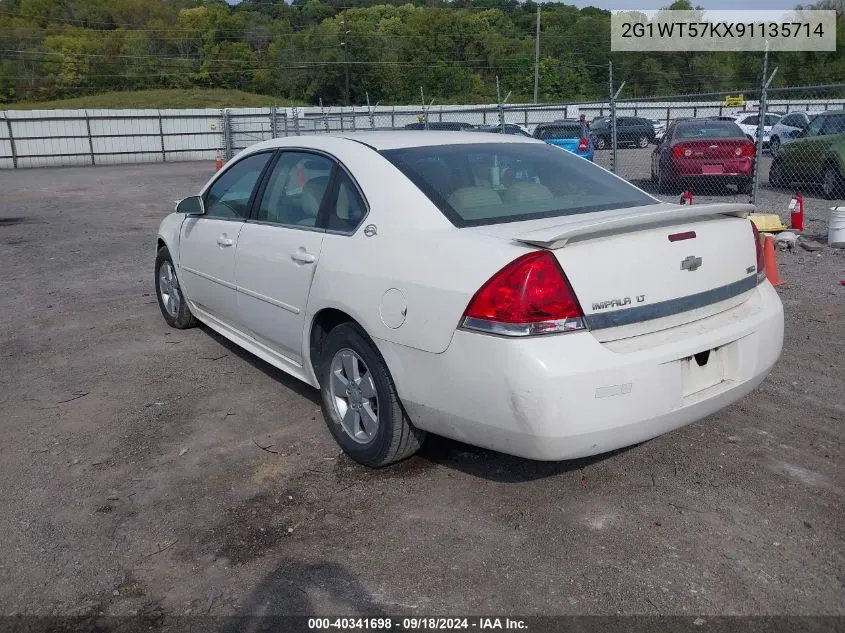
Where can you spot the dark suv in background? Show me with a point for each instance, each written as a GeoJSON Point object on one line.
{"type": "Point", "coordinates": [630, 131]}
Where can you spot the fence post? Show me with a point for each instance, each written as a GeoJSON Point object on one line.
{"type": "Point", "coordinates": [90, 140]}
{"type": "Point", "coordinates": [612, 118]}
{"type": "Point", "coordinates": [161, 137]}
{"type": "Point", "coordinates": [227, 134]}
{"type": "Point", "coordinates": [12, 142]}
{"type": "Point", "coordinates": [761, 122]}
{"type": "Point", "coordinates": [296, 120]}
{"type": "Point", "coordinates": [273, 130]}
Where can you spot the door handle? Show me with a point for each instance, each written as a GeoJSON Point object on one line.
{"type": "Point", "coordinates": [303, 257]}
{"type": "Point", "coordinates": [224, 241]}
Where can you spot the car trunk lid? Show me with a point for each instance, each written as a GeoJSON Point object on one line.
{"type": "Point", "coordinates": [638, 271]}
{"type": "Point", "coordinates": [713, 149]}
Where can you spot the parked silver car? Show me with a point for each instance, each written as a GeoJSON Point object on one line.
{"type": "Point", "coordinates": [788, 128]}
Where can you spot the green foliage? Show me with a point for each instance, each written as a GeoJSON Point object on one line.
{"type": "Point", "coordinates": [156, 99]}
{"type": "Point", "coordinates": [305, 51]}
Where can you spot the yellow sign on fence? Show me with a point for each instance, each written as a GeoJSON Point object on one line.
{"type": "Point", "coordinates": [730, 102]}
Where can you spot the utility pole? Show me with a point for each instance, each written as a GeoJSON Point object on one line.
{"type": "Point", "coordinates": [537, 57]}
{"type": "Point", "coordinates": [346, 59]}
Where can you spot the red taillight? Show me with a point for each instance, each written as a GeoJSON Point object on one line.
{"type": "Point", "coordinates": [761, 262]}
{"type": "Point", "coordinates": [583, 145]}
{"type": "Point", "coordinates": [531, 295]}
{"type": "Point", "coordinates": [679, 151]}
{"type": "Point", "coordinates": [747, 150]}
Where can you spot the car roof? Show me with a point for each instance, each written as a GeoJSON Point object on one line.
{"type": "Point", "coordinates": [398, 139]}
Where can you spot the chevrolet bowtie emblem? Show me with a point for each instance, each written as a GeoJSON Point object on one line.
{"type": "Point", "coordinates": [691, 263]}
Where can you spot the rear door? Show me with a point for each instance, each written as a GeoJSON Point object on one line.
{"type": "Point", "coordinates": [207, 243]}
{"type": "Point", "coordinates": [801, 157]}
{"type": "Point", "coordinates": [831, 133]}
{"type": "Point", "coordinates": [279, 248]}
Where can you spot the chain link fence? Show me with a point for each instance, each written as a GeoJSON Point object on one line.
{"type": "Point", "coordinates": [710, 147]}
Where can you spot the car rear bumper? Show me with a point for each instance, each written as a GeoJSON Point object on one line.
{"type": "Point", "coordinates": [696, 168]}
{"type": "Point", "coordinates": [566, 396]}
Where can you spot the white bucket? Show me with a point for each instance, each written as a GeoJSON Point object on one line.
{"type": "Point", "coordinates": [836, 227]}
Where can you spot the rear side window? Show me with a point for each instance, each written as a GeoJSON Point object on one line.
{"type": "Point", "coordinates": [295, 190]}
{"type": "Point", "coordinates": [834, 125]}
{"type": "Point", "coordinates": [708, 129]}
{"type": "Point", "coordinates": [348, 209]}
{"type": "Point", "coordinates": [493, 183]}
{"type": "Point", "coordinates": [559, 131]}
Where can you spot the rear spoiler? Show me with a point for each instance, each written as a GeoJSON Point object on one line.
{"type": "Point", "coordinates": [557, 236]}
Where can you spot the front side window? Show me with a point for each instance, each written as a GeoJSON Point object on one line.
{"type": "Point", "coordinates": [791, 120]}
{"type": "Point", "coordinates": [229, 196]}
{"type": "Point", "coordinates": [295, 190]}
{"type": "Point", "coordinates": [491, 183]}
{"type": "Point", "coordinates": [751, 120]}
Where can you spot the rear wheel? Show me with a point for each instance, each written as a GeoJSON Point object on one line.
{"type": "Point", "coordinates": [664, 184]}
{"type": "Point", "coordinates": [171, 299]}
{"type": "Point", "coordinates": [744, 185]}
{"type": "Point", "coordinates": [601, 143]}
{"type": "Point", "coordinates": [642, 142]}
{"type": "Point", "coordinates": [361, 406]}
{"type": "Point", "coordinates": [777, 174]}
{"type": "Point", "coordinates": [832, 182]}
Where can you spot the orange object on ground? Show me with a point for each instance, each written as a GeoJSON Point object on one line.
{"type": "Point", "coordinates": [218, 164]}
{"type": "Point", "coordinates": [770, 258]}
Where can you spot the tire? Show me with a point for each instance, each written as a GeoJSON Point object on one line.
{"type": "Point", "coordinates": [347, 352]}
{"type": "Point", "coordinates": [664, 185]}
{"type": "Point", "coordinates": [601, 143]}
{"type": "Point", "coordinates": [777, 177]}
{"type": "Point", "coordinates": [642, 142]}
{"type": "Point", "coordinates": [774, 146]}
{"type": "Point", "coordinates": [833, 184]}
{"type": "Point", "coordinates": [171, 300]}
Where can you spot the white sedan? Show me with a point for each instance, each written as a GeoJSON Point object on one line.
{"type": "Point", "coordinates": [485, 287]}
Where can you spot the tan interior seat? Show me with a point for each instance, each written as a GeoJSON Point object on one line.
{"type": "Point", "coordinates": [312, 196]}
{"type": "Point", "coordinates": [467, 198]}
{"type": "Point", "coordinates": [523, 191]}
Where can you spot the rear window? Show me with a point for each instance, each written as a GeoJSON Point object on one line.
{"type": "Point", "coordinates": [493, 183]}
{"type": "Point", "coordinates": [709, 129]}
{"type": "Point", "coordinates": [560, 131]}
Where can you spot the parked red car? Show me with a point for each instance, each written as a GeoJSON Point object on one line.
{"type": "Point", "coordinates": [703, 151]}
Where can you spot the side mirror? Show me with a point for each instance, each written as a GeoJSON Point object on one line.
{"type": "Point", "coordinates": [192, 205]}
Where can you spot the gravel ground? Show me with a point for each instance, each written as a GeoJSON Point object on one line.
{"type": "Point", "coordinates": [134, 479]}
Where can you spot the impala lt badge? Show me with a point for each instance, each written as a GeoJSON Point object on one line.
{"type": "Point", "coordinates": [691, 263]}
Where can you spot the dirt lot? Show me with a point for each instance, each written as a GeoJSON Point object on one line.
{"type": "Point", "coordinates": [133, 481]}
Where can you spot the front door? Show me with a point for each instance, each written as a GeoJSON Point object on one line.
{"type": "Point", "coordinates": [208, 242]}
{"type": "Point", "coordinates": [278, 251]}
